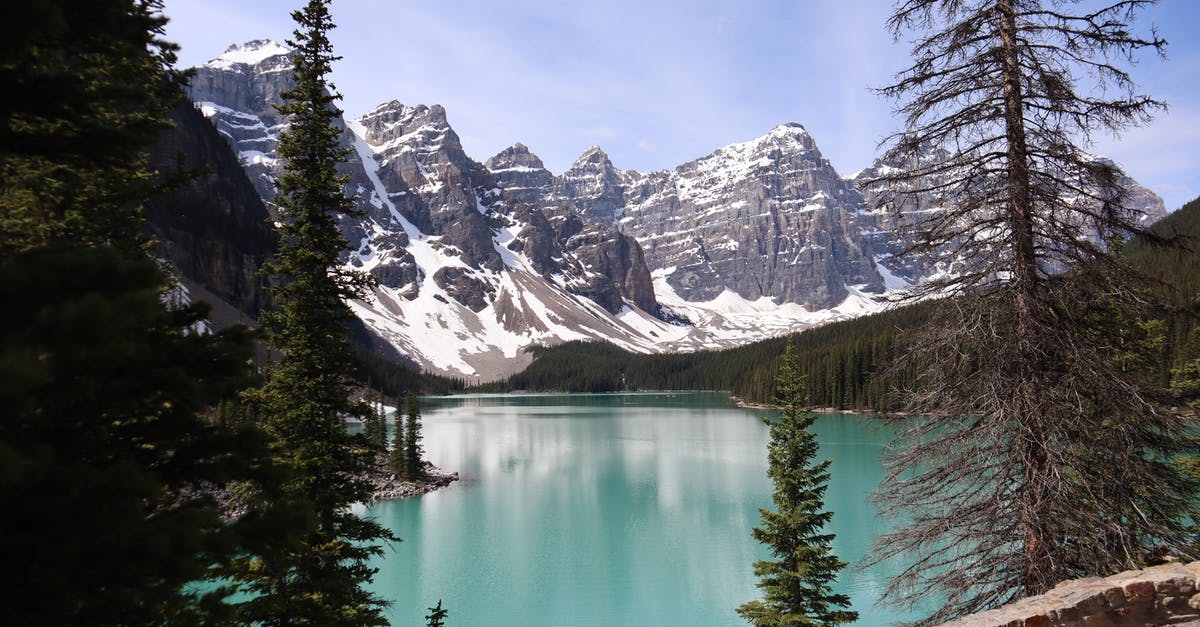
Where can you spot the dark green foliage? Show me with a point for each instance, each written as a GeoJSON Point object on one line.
{"type": "Point", "coordinates": [1176, 270]}
{"type": "Point", "coordinates": [436, 615]}
{"type": "Point", "coordinates": [87, 85]}
{"type": "Point", "coordinates": [106, 464]}
{"type": "Point", "coordinates": [796, 584]}
{"type": "Point", "coordinates": [838, 359]}
{"type": "Point", "coordinates": [396, 454]}
{"type": "Point", "coordinates": [394, 379]}
{"type": "Point", "coordinates": [375, 422]}
{"type": "Point", "coordinates": [1175, 266]}
{"type": "Point", "coordinates": [319, 577]}
{"type": "Point", "coordinates": [413, 451]}
{"type": "Point", "coordinates": [379, 441]}
{"type": "Point", "coordinates": [102, 445]}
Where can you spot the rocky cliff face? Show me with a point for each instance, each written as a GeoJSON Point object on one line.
{"type": "Point", "coordinates": [213, 229]}
{"type": "Point", "coordinates": [602, 263]}
{"type": "Point", "coordinates": [768, 218]}
{"type": "Point", "coordinates": [891, 236]}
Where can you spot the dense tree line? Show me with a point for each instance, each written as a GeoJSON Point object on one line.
{"type": "Point", "coordinates": [1175, 270]}
{"type": "Point", "coordinates": [396, 379]}
{"type": "Point", "coordinates": [837, 359]}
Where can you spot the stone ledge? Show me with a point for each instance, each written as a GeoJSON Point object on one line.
{"type": "Point", "coordinates": [1161, 595]}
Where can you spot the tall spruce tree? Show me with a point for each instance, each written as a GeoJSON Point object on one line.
{"type": "Point", "coordinates": [379, 439]}
{"type": "Point", "coordinates": [413, 451]}
{"type": "Point", "coordinates": [1028, 454]}
{"type": "Point", "coordinates": [106, 460]}
{"type": "Point", "coordinates": [797, 583]}
{"type": "Point", "coordinates": [318, 579]}
{"type": "Point", "coordinates": [396, 455]}
{"type": "Point", "coordinates": [375, 422]}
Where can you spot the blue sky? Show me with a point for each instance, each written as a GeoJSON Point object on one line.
{"type": "Point", "coordinates": [660, 83]}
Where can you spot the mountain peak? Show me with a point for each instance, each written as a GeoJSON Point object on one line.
{"type": "Point", "coordinates": [516, 156]}
{"type": "Point", "coordinates": [593, 156]}
{"type": "Point", "coordinates": [249, 53]}
{"type": "Point", "coordinates": [789, 128]}
{"type": "Point", "coordinates": [790, 136]}
{"type": "Point", "coordinates": [395, 112]}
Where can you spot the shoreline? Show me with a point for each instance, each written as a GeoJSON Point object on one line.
{"type": "Point", "coordinates": [738, 402]}
{"type": "Point", "coordinates": [386, 486]}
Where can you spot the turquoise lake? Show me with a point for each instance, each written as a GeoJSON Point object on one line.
{"type": "Point", "coordinates": [610, 510]}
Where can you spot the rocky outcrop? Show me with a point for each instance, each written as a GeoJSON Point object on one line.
{"type": "Point", "coordinates": [594, 259]}
{"type": "Point", "coordinates": [768, 218]}
{"type": "Point", "coordinates": [1161, 595]}
{"type": "Point", "coordinates": [386, 485]}
{"type": "Point", "coordinates": [521, 176]}
{"type": "Point", "coordinates": [238, 92]}
{"type": "Point", "coordinates": [619, 270]}
{"type": "Point", "coordinates": [594, 186]}
{"type": "Point", "coordinates": [213, 227]}
{"type": "Point", "coordinates": [430, 180]}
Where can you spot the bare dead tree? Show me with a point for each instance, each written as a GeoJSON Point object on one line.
{"type": "Point", "coordinates": [1035, 448]}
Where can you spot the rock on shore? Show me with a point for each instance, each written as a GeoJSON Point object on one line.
{"type": "Point", "coordinates": [387, 485]}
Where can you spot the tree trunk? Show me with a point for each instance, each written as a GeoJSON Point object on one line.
{"type": "Point", "coordinates": [1037, 562]}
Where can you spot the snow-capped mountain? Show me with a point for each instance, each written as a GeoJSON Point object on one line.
{"type": "Point", "coordinates": [477, 261]}
{"type": "Point", "coordinates": [768, 218]}
{"type": "Point", "coordinates": [470, 272]}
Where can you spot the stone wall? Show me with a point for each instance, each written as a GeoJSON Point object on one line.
{"type": "Point", "coordinates": [1162, 595]}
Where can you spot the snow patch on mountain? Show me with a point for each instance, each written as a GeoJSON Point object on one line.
{"type": "Point", "coordinates": [731, 320]}
{"type": "Point", "coordinates": [248, 54]}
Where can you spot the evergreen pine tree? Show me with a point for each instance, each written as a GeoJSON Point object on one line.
{"type": "Point", "coordinates": [374, 422]}
{"type": "Point", "coordinates": [103, 443]}
{"type": "Point", "coordinates": [436, 616]}
{"type": "Point", "coordinates": [86, 90]}
{"type": "Point", "coordinates": [396, 455]}
{"type": "Point", "coordinates": [319, 578]}
{"type": "Point", "coordinates": [380, 439]}
{"type": "Point", "coordinates": [413, 451]}
{"type": "Point", "coordinates": [797, 584]}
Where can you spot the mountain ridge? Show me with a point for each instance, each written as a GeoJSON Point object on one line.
{"type": "Point", "coordinates": [477, 261]}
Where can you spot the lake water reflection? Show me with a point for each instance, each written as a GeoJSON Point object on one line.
{"type": "Point", "coordinates": [597, 510]}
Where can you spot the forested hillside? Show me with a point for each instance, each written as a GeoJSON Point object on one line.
{"type": "Point", "coordinates": [1176, 268]}
{"type": "Point", "coordinates": [840, 358]}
